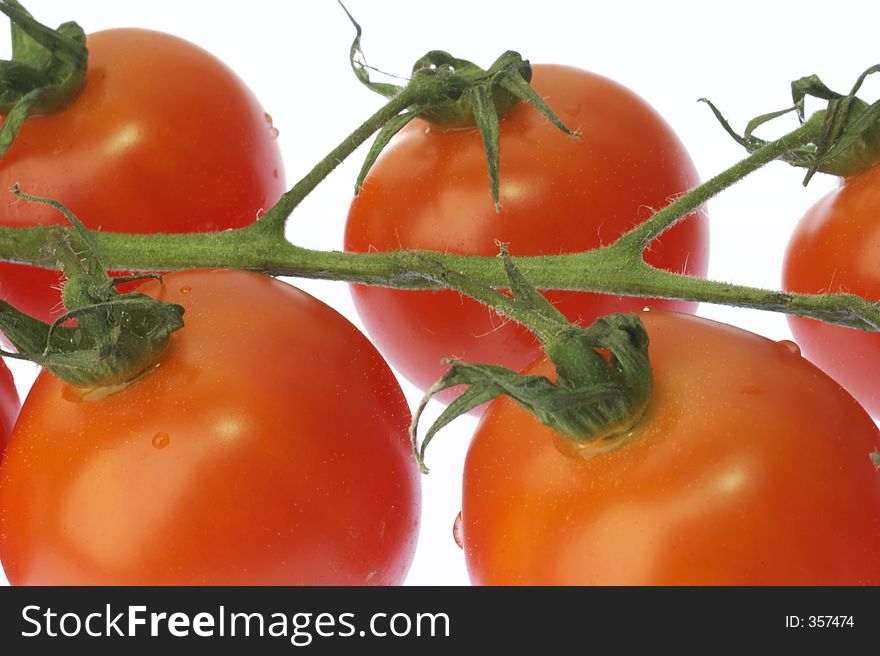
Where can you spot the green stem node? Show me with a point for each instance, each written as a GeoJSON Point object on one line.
{"type": "Point", "coordinates": [603, 375]}
{"type": "Point", "coordinates": [113, 338]}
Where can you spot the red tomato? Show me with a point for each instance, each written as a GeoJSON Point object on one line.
{"type": "Point", "coordinates": [750, 467]}
{"type": "Point", "coordinates": [835, 248]}
{"type": "Point", "coordinates": [430, 190]}
{"type": "Point", "coordinates": [9, 405]}
{"type": "Point", "coordinates": [269, 446]}
{"type": "Point", "coordinates": [163, 138]}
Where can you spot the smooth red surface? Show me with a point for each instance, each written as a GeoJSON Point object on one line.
{"type": "Point", "coordinates": [269, 446]}
{"type": "Point", "coordinates": [9, 405]}
{"type": "Point", "coordinates": [430, 190]}
{"type": "Point", "coordinates": [163, 138]}
{"type": "Point", "coordinates": [836, 248]}
{"type": "Point", "coordinates": [750, 467]}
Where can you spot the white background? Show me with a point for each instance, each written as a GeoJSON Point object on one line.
{"type": "Point", "coordinates": [294, 55]}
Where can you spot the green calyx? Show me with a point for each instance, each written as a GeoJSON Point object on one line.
{"type": "Point", "coordinates": [46, 72]}
{"type": "Point", "coordinates": [454, 93]}
{"type": "Point", "coordinates": [115, 338]}
{"type": "Point", "coordinates": [849, 141]}
{"type": "Point", "coordinates": [475, 95]}
{"type": "Point", "coordinates": [603, 375]}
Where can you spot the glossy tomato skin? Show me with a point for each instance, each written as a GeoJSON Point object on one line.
{"type": "Point", "coordinates": [430, 190]}
{"type": "Point", "coordinates": [269, 446]}
{"type": "Point", "coordinates": [162, 138]}
{"type": "Point", "coordinates": [835, 248]}
{"type": "Point", "coordinates": [9, 405]}
{"type": "Point", "coordinates": [750, 467]}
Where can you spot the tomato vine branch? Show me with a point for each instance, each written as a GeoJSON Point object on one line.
{"type": "Point", "coordinates": [601, 271]}
{"type": "Point", "coordinates": [639, 237]}
{"type": "Point", "coordinates": [275, 218]}
{"type": "Point", "coordinates": [617, 269]}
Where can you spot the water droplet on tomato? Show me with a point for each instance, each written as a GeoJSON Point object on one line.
{"type": "Point", "coordinates": [456, 531]}
{"type": "Point", "coordinates": [790, 346]}
{"type": "Point", "coordinates": [185, 290]}
{"type": "Point", "coordinates": [573, 110]}
{"type": "Point", "coordinates": [161, 440]}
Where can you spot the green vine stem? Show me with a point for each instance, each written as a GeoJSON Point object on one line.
{"type": "Point", "coordinates": [615, 269]}
{"type": "Point", "coordinates": [601, 271]}
{"type": "Point", "coordinates": [637, 239]}
{"type": "Point", "coordinates": [274, 219]}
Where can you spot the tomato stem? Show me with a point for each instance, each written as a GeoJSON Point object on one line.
{"type": "Point", "coordinates": [608, 271]}
{"type": "Point", "coordinates": [442, 89]}
{"type": "Point", "coordinates": [849, 142]}
{"type": "Point", "coordinates": [603, 375]}
{"type": "Point", "coordinates": [275, 218]}
{"type": "Point", "coordinates": [638, 239]}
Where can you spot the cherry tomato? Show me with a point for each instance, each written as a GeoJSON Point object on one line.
{"type": "Point", "coordinates": [162, 138]}
{"type": "Point", "coordinates": [750, 467]}
{"type": "Point", "coordinates": [9, 405]}
{"type": "Point", "coordinates": [269, 446]}
{"type": "Point", "coordinates": [834, 248]}
{"type": "Point", "coordinates": [430, 190]}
